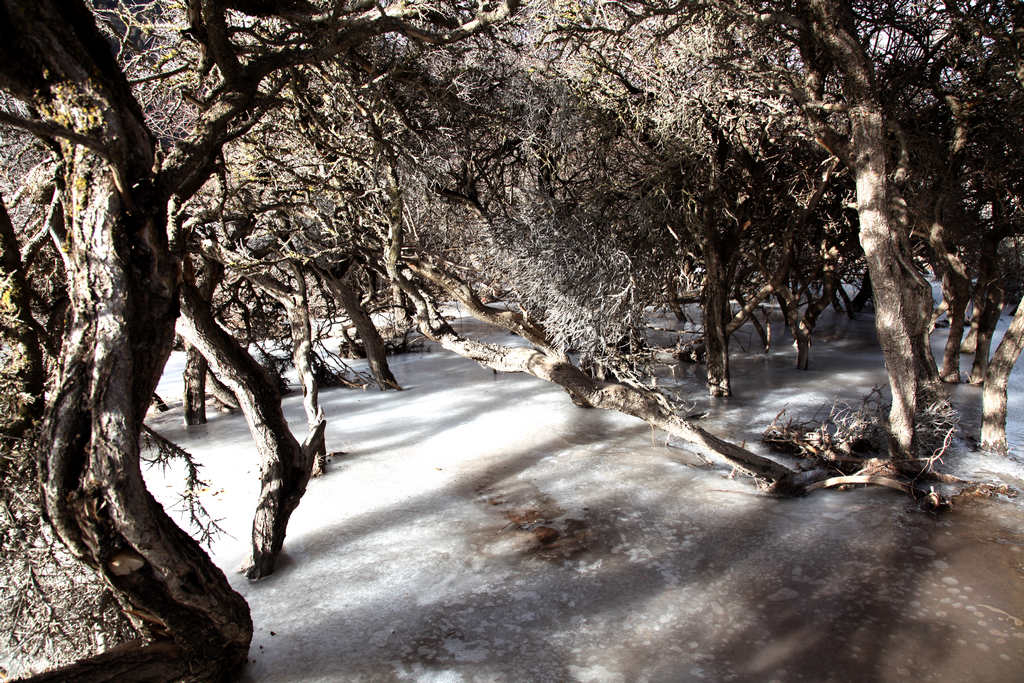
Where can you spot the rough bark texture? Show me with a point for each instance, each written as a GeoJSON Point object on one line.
{"type": "Point", "coordinates": [988, 305]}
{"type": "Point", "coordinates": [716, 316]}
{"type": "Point", "coordinates": [156, 663]}
{"type": "Point", "coordinates": [997, 378]}
{"type": "Point", "coordinates": [376, 355]}
{"type": "Point", "coordinates": [302, 359]}
{"type": "Point", "coordinates": [902, 296]}
{"type": "Point", "coordinates": [26, 366]}
{"type": "Point", "coordinates": [123, 291]}
{"type": "Point", "coordinates": [956, 291]}
{"type": "Point", "coordinates": [296, 305]}
{"type": "Point", "coordinates": [196, 367]}
{"type": "Point", "coordinates": [284, 465]}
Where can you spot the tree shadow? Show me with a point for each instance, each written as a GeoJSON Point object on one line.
{"type": "Point", "coordinates": [667, 579]}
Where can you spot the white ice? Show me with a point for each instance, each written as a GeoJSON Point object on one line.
{"type": "Point", "coordinates": [418, 556]}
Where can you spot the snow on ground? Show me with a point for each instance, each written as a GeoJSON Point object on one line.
{"type": "Point", "coordinates": [481, 527]}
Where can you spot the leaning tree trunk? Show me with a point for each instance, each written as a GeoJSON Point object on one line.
{"type": "Point", "coordinates": [547, 363]}
{"type": "Point", "coordinates": [123, 291]}
{"type": "Point", "coordinates": [997, 378]}
{"type": "Point", "coordinates": [123, 286]}
{"type": "Point", "coordinates": [284, 465]}
{"type": "Point", "coordinates": [376, 355]}
{"type": "Point", "coordinates": [196, 367]}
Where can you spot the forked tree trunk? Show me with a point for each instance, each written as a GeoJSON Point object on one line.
{"type": "Point", "coordinates": [295, 301]}
{"type": "Point", "coordinates": [801, 323]}
{"type": "Point", "coordinates": [376, 355]}
{"type": "Point", "coordinates": [284, 465]}
{"type": "Point", "coordinates": [302, 359]}
{"type": "Point", "coordinates": [997, 378]}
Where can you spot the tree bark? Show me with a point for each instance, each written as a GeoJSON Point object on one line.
{"type": "Point", "coordinates": [997, 378]}
{"type": "Point", "coordinates": [956, 290]}
{"type": "Point", "coordinates": [26, 366]}
{"type": "Point", "coordinates": [302, 358]}
{"type": "Point", "coordinates": [284, 465]}
{"type": "Point", "coordinates": [902, 296]}
{"type": "Point", "coordinates": [194, 376]}
{"type": "Point", "coordinates": [716, 317]}
{"type": "Point", "coordinates": [801, 324]}
{"type": "Point", "coordinates": [122, 282]}
{"type": "Point", "coordinates": [376, 355]}
{"type": "Point", "coordinates": [988, 305]}
{"type": "Point", "coordinates": [156, 663]}
{"type": "Point", "coordinates": [221, 393]}
{"type": "Point", "coordinates": [295, 301]}
{"type": "Point", "coordinates": [864, 295]}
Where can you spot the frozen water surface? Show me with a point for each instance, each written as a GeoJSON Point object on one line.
{"type": "Point", "coordinates": [480, 527]}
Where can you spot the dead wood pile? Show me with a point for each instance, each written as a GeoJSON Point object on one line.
{"type": "Point", "coordinates": [849, 447]}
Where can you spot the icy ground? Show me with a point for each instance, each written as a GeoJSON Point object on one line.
{"type": "Point", "coordinates": [479, 527]}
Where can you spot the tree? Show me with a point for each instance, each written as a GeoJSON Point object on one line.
{"type": "Point", "coordinates": [121, 201]}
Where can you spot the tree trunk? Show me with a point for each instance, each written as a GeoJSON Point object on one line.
{"type": "Point", "coordinates": [997, 378]}
{"type": "Point", "coordinates": [122, 281]}
{"type": "Point", "coordinates": [716, 317]}
{"type": "Point", "coordinates": [547, 363]}
{"type": "Point", "coordinates": [284, 465]}
{"type": "Point", "coordinates": [25, 368]}
{"type": "Point", "coordinates": [988, 306]}
{"type": "Point", "coordinates": [902, 296]}
{"type": "Point", "coordinates": [376, 355]}
{"type": "Point", "coordinates": [302, 357]}
{"type": "Point", "coordinates": [207, 277]}
{"type": "Point", "coordinates": [864, 295]}
{"type": "Point", "coordinates": [221, 394]}
{"type": "Point", "coordinates": [956, 291]}
{"type": "Point", "coordinates": [194, 379]}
